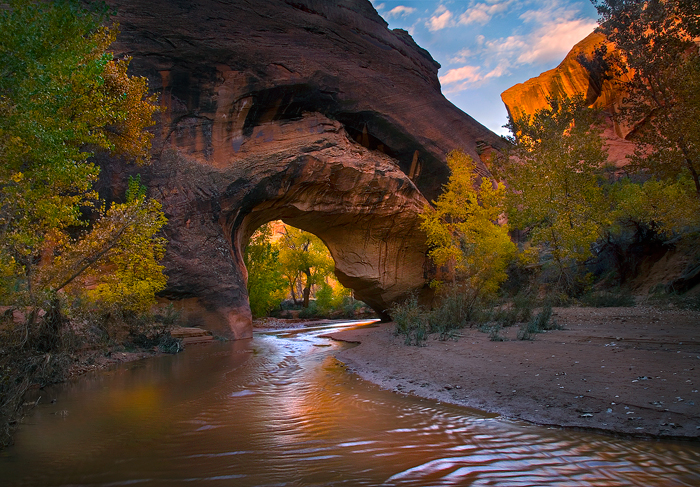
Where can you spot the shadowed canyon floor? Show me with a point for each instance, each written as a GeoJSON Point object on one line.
{"type": "Point", "coordinates": [624, 370]}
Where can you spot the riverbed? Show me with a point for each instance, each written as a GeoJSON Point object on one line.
{"type": "Point", "coordinates": [281, 410]}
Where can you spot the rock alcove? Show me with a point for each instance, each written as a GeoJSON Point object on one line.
{"type": "Point", "coordinates": [310, 112]}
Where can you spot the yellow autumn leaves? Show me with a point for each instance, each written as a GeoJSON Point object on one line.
{"type": "Point", "coordinates": [62, 98]}
{"type": "Point", "coordinates": [463, 231]}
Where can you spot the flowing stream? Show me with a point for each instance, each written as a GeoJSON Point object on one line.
{"type": "Point", "coordinates": [280, 410]}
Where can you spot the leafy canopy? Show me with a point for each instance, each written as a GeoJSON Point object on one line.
{"type": "Point", "coordinates": [553, 174]}
{"type": "Point", "coordinates": [290, 262]}
{"type": "Point", "coordinates": [62, 97]}
{"type": "Point", "coordinates": [267, 286]}
{"type": "Point", "coordinates": [463, 229]}
{"type": "Point", "coordinates": [305, 259]}
{"type": "Point", "coordinates": [661, 59]}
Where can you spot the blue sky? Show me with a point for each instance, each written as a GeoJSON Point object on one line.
{"type": "Point", "coordinates": [487, 46]}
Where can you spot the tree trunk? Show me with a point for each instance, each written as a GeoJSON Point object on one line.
{"type": "Point", "coordinates": [307, 295]}
{"type": "Point", "coordinates": [294, 296]}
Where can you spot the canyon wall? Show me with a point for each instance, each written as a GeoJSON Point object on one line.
{"type": "Point", "coordinates": [578, 73]}
{"type": "Point", "coordinates": [307, 111]}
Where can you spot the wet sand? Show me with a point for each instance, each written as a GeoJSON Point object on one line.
{"type": "Point", "coordinates": [631, 371]}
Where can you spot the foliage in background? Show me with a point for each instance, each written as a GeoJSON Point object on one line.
{"type": "Point", "coordinates": [329, 298]}
{"type": "Point", "coordinates": [305, 260]}
{"type": "Point", "coordinates": [666, 208]}
{"type": "Point", "coordinates": [295, 264]}
{"type": "Point", "coordinates": [267, 286]}
{"type": "Point", "coordinates": [463, 230]}
{"type": "Point", "coordinates": [62, 96]}
{"type": "Point", "coordinates": [554, 179]}
{"type": "Point", "coordinates": [662, 62]}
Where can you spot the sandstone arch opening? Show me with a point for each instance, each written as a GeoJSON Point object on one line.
{"type": "Point", "coordinates": [364, 209]}
{"type": "Point", "coordinates": [372, 259]}
{"type": "Point", "coordinates": [290, 274]}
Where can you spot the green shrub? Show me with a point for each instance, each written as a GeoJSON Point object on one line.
{"type": "Point", "coordinates": [411, 321]}
{"type": "Point", "coordinates": [493, 330]}
{"type": "Point", "coordinates": [454, 312]}
{"type": "Point", "coordinates": [324, 298]}
{"type": "Point", "coordinates": [541, 322]}
{"type": "Point", "coordinates": [518, 311]}
{"type": "Point", "coordinates": [168, 315]}
{"type": "Point", "coordinates": [310, 312]}
{"type": "Point", "coordinates": [660, 298]}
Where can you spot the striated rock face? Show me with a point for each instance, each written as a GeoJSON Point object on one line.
{"type": "Point", "coordinates": [578, 73]}
{"type": "Point", "coordinates": [307, 111]}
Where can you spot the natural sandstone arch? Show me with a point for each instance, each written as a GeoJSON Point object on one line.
{"type": "Point", "coordinates": [308, 111]}
{"type": "Point", "coordinates": [362, 207]}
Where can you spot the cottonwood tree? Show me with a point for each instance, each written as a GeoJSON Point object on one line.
{"type": "Point", "coordinates": [62, 97]}
{"type": "Point", "coordinates": [658, 52]}
{"type": "Point", "coordinates": [553, 171]}
{"type": "Point", "coordinates": [305, 259]}
{"type": "Point", "coordinates": [267, 286]}
{"type": "Point", "coordinates": [116, 263]}
{"type": "Point", "coordinates": [464, 232]}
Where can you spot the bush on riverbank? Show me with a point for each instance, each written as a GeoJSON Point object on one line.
{"type": "Point", "coordinates": [454, 312]}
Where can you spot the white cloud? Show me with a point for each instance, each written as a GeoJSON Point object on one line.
{"type": "Point", "coordinates": [497, 72]}
{"type": "Point", "coordinates": [549, 11]}
{"type": "Point", "coordinates": [462, 56]}
{"type": "Point", "coordinates": [441, 19]}
{"type": "Point", "coordinates": [505, 46]}
{"type": "Point", "coordinates": [552, 42]}
{"type": "Point", "coordinates": [400, 11]}
{"type": "Point", "coordinates": [482, 13]}
{"type": "Point", "coordinates": [465, 73]}
{"type": "Point", "coordinates": [469, 77]}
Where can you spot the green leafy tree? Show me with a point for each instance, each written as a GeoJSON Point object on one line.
{"type": "Point", "coordinates": [305, 260]}
{"type": "Point", "coordinates": [101, 263]}
{"type": "Point", "coordinates": [267, 285]}
{"type": "Point", "coordinates": [63, 96]}
{"type": "Point", "coordinates": [554, 177]}
{"type": "Point", "coordinates": [463, 229]}
{"type": "Point", "coordinates": [331, 296]}
{"type": "Point", "coordinates": [665, 208]}
{"type": "Point", "coordinates": [658, 54]}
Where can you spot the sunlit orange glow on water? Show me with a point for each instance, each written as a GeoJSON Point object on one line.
{"type": "Point", "coordinates": [280, 410]}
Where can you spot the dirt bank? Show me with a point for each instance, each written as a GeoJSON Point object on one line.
{"type": "Point", "coordinates": [634, 371]}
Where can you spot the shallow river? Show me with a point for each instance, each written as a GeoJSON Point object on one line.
{"type": "Point", "coordinates": [280, 410]}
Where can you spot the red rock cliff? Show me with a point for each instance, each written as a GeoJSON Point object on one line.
{"type": "Point", "coordinates": [576, 74]}
{"type": "Point", "coordinates": [308, 111]}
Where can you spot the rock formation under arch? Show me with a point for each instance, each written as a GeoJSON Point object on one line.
{"type": "Point", "coordinates": [308, 111]}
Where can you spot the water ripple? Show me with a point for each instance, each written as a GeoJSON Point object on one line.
{"type": "Point", "coordinates": [289, 414]}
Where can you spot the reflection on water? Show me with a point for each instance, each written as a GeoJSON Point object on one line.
{"type": "Point", "coordinates": [279, 410]}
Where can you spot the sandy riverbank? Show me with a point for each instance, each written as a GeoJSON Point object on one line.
{"type": "Point", "coordinates": [634, 371]}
